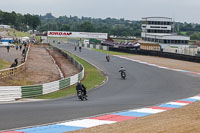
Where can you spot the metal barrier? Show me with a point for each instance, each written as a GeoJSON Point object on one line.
{"type": "Point", "coordinates": [159, 53]}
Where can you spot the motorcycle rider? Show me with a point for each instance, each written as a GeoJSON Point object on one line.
{"type": "Point", "coordinates": [81, 87]}
{"type": "Point", "coordinates": [122, 70]}
{"type": "Point", "coordinates": [107, 57]}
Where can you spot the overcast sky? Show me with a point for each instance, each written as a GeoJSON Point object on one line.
{"type": "Point", "coordinates": [179, 10]}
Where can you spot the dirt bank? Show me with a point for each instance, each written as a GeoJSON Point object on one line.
{"type": "Point", "coordinates": [40, 68]}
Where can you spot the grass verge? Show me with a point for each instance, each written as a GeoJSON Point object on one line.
{"type": "Point", "coordinates": [111, 52]}
{"type": "Point", "coordinates": [4, 64]}
{"type": "Point", "coordinates": [15, 33]}
{"type": "Point", "coordinates": [38, 39]}
{"type": "Point", "coordinates": [58, 38]}
{"type": "Point", "coordinates": [93, 78]}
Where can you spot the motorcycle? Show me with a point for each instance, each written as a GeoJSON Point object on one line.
{"type": "Point", "coordinates": [107, 58]}
{"type": "Point", "coordinates": [81, 96]}
{"type": "Point", "coordinates": [123, 74]}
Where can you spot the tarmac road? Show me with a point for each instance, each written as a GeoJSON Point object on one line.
{"type": "Point", "coordinates": [144, 86]}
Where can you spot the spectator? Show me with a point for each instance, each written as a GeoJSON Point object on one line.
{"type": "Point", "coordinates": [13, 65]}
{"type": "Point", "coordinates": [8, 48]}
{"type": "Point", "coordinates": [24, 44]}
{"type": "Point", "coordinates": [20, 47]}
{"type": "Point", "coordinates": [23, 52]}
{"type": "Point", "coordinates": [16, 61]}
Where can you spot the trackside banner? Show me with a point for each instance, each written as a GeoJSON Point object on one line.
{"type": "Point", "coordinates": [77, 34]}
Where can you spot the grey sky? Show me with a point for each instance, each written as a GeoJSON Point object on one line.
{"type": "Point", "coordinates": [179, 10]}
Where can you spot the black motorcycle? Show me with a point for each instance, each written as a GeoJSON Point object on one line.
{"type": "Point", "coordinates": [81, 96]}
{"type": "Point", "coordinates": [123, 74]}
{"type": "Point", "coordinates": [107, 58]}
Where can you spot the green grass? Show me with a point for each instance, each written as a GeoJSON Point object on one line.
{"type": "Point", "coordinates": [93, 77]}
{"type": "Point", "coordinates": [4, 64]}
{"type": "Point", "coordinates": [111, 52]}
{"type": "Point", "coordinates": [38, 39]}
{"type": "Point", "coordinates": [183, 33]}
{"type": "Point", "coordinates": [15, 33]}
{"type": "Point", "coordinates": [59, 38]}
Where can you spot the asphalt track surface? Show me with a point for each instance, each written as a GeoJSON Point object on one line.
{"type": "Point", "coordinates": [144, 86]}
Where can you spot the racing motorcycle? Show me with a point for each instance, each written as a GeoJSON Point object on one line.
{"type": "Point", "coordinates": [123, 74]}
{"type": "Point", "coordinates": [81, 96]}
{"type": "Point", "coordinates": [107, 58]}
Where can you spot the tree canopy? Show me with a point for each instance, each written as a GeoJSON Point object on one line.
{"type": "Point", "coordinates": [19, 21]}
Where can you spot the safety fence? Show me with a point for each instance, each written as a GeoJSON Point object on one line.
{"type": "Point", "coordinates": [95, 46]}
{"type": "Point", "coordinates": [13, 71]}
{"type": "Point", "coordinates": [184, 51]}
{"type": "Point", "coordinates": [11, 93]}
{"type": "Point", "coordinates": [159, 54]}
{"type": "Point", "coordinates": [170, 55]}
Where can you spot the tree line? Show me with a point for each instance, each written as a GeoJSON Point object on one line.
{"type": "Point", "coordinates": [20, 22]}
{"type": "Point", "coordinates": [112, 26]}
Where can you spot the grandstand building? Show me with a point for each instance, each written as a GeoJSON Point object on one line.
{"type": "Point", "coordinates": [161, 30]}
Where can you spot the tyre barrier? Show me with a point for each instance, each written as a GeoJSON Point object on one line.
{"type": "Point", "coordinates": [11, 93]}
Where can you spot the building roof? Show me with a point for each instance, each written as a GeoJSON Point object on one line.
{"type": "Point", "coordinates": [157, 19]}
{"type": "Point", "coordinates": [168, 36]}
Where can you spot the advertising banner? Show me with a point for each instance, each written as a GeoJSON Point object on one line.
{"type": "Point", "coordinates": [77, 34]}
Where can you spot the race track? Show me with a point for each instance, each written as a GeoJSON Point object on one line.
{"type": "Point", "coordinates": [144, 86]}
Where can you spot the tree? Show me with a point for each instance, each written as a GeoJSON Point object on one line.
{"type": "Point", "coordinates": [87, 27]}
{"type": "Point", "coordinates": [65, 27]}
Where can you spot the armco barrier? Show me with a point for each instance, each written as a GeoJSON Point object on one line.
{"type": "Point", "coordinates": [11, 93]}
{"type": "Point", "coordinates": [31, 91]}
{"type": "Point", "coordinates": [51, 87]}
{"type": "Point", "coordinates": [158, 53]}
{"type": "Point", "coordinates": [64, 83]}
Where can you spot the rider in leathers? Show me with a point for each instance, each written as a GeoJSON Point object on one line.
{"type": "Point", "coordinates": [81, 87]}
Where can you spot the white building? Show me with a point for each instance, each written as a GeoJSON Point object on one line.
{"type": "Point", "coordinates": [161, 30]}
{"type": "Point", "coordinates": [5, 27]}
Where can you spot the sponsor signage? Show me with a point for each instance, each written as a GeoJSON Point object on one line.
{"type": "Point", "coordinates": [77, 34]}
